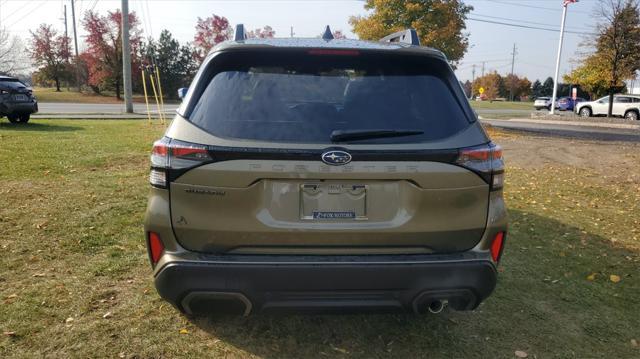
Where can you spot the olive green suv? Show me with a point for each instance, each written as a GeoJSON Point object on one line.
{"type": "Point", "coordinates": [325, 175]}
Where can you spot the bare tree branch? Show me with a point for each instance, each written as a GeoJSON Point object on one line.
{"type": "Point", "coordinates": [13, 59]}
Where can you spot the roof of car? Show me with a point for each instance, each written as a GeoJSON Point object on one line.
{"type": "Point", "coordinates": [327, 44]}
{"type": "Point", "coordinates": [7, 78]}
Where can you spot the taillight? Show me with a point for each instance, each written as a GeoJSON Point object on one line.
{"type": "Point", "coordinates": [486, 161]}
{"type": "Point", "coordinates": [156, 247]}
{"type": "Point", "coordinates": [170, 156]}
{"type": "Point", "coordinates": [496, 246]}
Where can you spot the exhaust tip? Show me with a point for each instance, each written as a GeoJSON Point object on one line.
{"type": "Point", "coordinates": [220, 303]}
{"type": "Point", "coordinates": [437, 306]}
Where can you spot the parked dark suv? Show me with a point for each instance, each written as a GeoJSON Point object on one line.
{"type": "Point", "coordinates": [325, 175]}
{"type": "Point", "coordinates": [16, 100]}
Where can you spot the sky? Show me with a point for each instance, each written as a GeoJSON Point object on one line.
{"type": "Point", "coordinates": [490, 43]}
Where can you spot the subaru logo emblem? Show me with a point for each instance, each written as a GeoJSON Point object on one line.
{"type": "Point", "coordinates": [336, 158]}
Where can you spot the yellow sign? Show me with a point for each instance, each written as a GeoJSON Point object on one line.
{"type": "Point", "coordinates": [481, 90]}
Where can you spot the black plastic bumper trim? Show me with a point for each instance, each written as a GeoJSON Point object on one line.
{"type": "Point", "coordinates": [313, 287]}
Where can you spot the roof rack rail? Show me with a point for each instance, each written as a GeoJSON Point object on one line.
{"type": "Point", "coordinates": [327, 35]}
{"type": "Point", "coordinates": [408, 36]}
{"type": "Point", "coordinates": [240, 34]}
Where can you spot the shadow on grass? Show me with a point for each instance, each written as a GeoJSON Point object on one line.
{"type": "Point", "coordinates": [31, 126]}
{"type": "Point", "coordinates": [543, 304]}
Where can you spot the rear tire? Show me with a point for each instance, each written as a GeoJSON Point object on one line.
{"type": "Point", "coordinates": [25, 117]}
{"type": "Point", "coordinates": [585, 112]}
{"type": "Point", "coordinates": [631, 115]}
{"type": "Point", "coordinates": [13, 118]}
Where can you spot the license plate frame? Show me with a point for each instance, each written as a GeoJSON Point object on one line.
{"type": "Point", "coordinates": [20, 97]}
{"type": "Point", "coordinates": [333, 201]}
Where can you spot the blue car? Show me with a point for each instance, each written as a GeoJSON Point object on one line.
{"type": "Point", "coordinates": [568, 103]}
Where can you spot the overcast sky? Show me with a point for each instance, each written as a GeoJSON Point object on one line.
{"type": "Point", "coordinates": [490, 42]}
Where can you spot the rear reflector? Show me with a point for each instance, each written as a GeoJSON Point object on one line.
{"type": "Point", "coordinates": [156, 248]}
{"type": "Point", "coordinates": [496, 246]}
{"type": "Point", "coordinates": [158, 177]}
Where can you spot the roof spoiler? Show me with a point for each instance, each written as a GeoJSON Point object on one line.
{"type": "Point", "coordinates": [327, 35]}
{"type": "Point", "coordinates": [240, 34]}
{"type": "Point", "coordinates": [408, 36]}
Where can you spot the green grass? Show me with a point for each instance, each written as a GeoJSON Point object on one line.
{"type": "Point", "coordinates": [73, 195]}
{"type": "Point", "coordinates": [501, 105]}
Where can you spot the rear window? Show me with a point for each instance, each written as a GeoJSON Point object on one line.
{"type": "Point", "coordinates": [303, 98]}
{"type": "Point", "coordinates": [12, 84]}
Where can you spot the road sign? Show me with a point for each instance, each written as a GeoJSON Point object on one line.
{"type": "Point", "coordinates": [481, 90]}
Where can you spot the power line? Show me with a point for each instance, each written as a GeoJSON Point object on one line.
{"type": "Point", "coordinates": [29, 12]}
{"type": "Point", "coordinates": [522, 21]}
{"type": "Point", "coordinates": [17, 10]}
{"type": "Point", "coordinates": [479, 61]}
{"type": "Point", "coordinates": [530, 27]}
{"type": "Point", "coordinates": [534, 6]}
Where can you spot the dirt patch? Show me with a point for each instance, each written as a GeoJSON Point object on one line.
{"type": "Point", "coordinates": [605, 159]}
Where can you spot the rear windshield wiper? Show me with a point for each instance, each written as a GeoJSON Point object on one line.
{"type": "Point", "coordinates": [350, 135]}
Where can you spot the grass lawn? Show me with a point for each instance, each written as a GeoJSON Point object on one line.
{"type": "Point", "coordinates": [75, 279]}
{"type": "Point", "coordinates": [501, 105]}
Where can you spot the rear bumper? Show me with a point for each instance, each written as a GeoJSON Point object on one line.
{"type": "Point", "coordinates": [396, 283]}
{"type": "Point", "coordinates": [14, 108]}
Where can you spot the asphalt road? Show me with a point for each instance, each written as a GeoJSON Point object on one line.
{"type": "Point", "coordinates": [593, 131]}
{"type": "Point", "coordinates": [51, 108]}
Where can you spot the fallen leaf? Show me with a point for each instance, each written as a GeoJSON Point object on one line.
{"type": "Point", "coordinates": [614, 278]}
{"type": "Point", "coordinates": [9, 334]}
{"type": "Point", "coordinates": [634, 343]}
{"type": "Point", "coordinates": [69, 320]}
{"type": "Point", "coordinates": [184, 331]}
{"type": "Point", "coordinates": [107, 315]}
{"type": "Point", "coordinates": [591, 276]}
{"type": "Point", "coordinates": [339, 350]}
{"type": "Point", "coordinates": [521, 354]}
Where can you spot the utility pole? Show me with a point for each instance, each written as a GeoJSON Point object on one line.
{"type": "Point", "coordinates": [473, 78]}
{"type": "Point", "coordinates": [66, 37]}
{"type": "Point", "coordinates": [75, 43]}
{"type": "Point", "coordinates": [126, 58]}
{"type": "Point", "coordinates": [292, 33]}
{"type": "Point", "coordinates": [66, 30]}
{"type": "Point", "coordinates": [513, 61]}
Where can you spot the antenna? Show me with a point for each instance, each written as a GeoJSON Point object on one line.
{"type": "Point", "coordinates": [327, 35]}
{"type": "Point", "coordinates": [240, 34]}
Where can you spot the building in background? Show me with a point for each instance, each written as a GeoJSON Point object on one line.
{"type": "Point", "coordinates": [633, 86]}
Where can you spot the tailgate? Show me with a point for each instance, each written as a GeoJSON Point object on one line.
{"type": "Point", "coordinates": [306, 207]}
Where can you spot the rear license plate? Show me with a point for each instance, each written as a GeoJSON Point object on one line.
{"type": "Point", "coordinates": [20, 97]}
{"type": "Point", "coordinates": [330, 201]}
